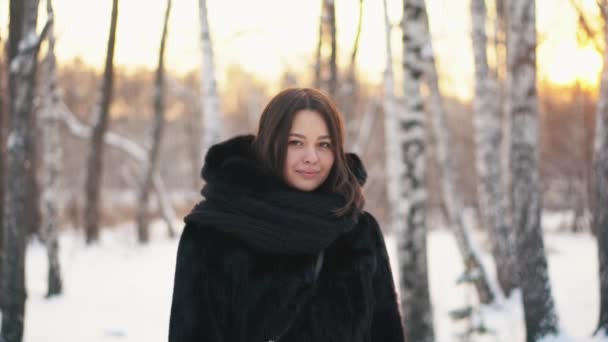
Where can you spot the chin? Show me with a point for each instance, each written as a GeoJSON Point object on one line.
{"type": "Point", "coordinates": [305, 187]}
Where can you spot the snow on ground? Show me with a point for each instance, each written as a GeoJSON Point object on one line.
{"type": "Point", "coordinates": [573, 269]}
{"type": "Point", "coordinates": [120, 291]}
{"type": "Point", "coordinates": [115, 291]}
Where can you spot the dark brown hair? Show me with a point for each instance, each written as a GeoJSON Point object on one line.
{"type": "Point", "coordinates": [271, 141]}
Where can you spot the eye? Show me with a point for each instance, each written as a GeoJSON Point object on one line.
{"type": "Point", "coordinates": [325, 145]}
{"type": "Point", "coordinates": [295, 143]}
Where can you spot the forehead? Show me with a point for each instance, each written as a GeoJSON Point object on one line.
{"type": "Point", "coordinates": [308, 123]}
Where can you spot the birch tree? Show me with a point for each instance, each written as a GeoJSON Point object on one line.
{"type": "Point", "coordinates": [51, 162]}
{"type": "Point", "coordinates": [212, 114]}
{"type": "Point", "coordinates": [539, 311]}
{"type": "Point", "coordinates": [317, 66]}
{"type": "Point", "coordinates": [14, 37]}
{"type": "Point", "coordinates": [326, 69]}
{"type": "Point", "coordinates": [474, 269]}
{"type": "Point", "coordinates": [491, 188]}
{"type": "Point", "coordinates": [391, 145]}
{"type": "Point", "coordinates": [332, 84]}
{"type": "Point", "coordinates": [100, 125]}
{"type": "Point", "coordinates": [3, 123]}
{"type": "Point", "coordinates": [415, 298]}
{"type": "Point", "coordinates": [600, 213]}
{"type": "Point", "coordinates": [19, 155]}
{"type": "Point", "coordinates": [157, 135]}
{"type": "Point", "coordinates": [349, 89]}
{"type": "Point", "coordinates": [500, 75]}
{"type": "Point", "coordinates": [17, 9]}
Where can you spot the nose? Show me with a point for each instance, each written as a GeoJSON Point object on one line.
{"type": "Point", "coordinates": [310, 155]}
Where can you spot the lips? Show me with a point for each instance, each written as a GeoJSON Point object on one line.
{"type": "Point", "coordinates": [308, 174]}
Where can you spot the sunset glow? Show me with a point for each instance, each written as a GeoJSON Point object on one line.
{"type": "Point", "coordinates": [267, 37]}
{"type": "Point", "coordinates": [570, 64]}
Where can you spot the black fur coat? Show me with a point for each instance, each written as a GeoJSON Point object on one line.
{"type": "Point", "coordinates": [247, 262]}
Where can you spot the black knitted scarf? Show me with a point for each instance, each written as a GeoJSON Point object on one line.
{"type": "Point", "coordinates": [246, 202]}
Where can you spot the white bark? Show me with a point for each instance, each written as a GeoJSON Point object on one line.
{"type": "Point", "coordinates": [600, 212]}
{"type": "Point", "coordinates": [453, 203]}
{"type": "Point", "coordinates": [415, 298]}
{"type": "Point", "coordinates": [391, 147]}
{"type": "Point", "coordinates": [539, 310]}
{"type": "Point", "coordinates": [51, 160]}
{"type": "Point", "coordinates": [365, 129]}
{"type": "Point", "coordinates": [164, 203]}
{"type": "Point", "coordinates": [212, 115]}
{"type": "Point", "coordinates": [491, 187]}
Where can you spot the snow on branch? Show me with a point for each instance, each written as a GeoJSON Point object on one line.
{"type": "Point", "coordinates": [129, 147]}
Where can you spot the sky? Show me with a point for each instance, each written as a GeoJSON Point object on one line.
{"type": "Point", "coordinates": [266, 37]}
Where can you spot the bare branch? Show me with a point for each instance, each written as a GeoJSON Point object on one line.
{"type": "Point", "coordinates": [584, 23]}
{"type": "Point", "coordinates": [127, 146]}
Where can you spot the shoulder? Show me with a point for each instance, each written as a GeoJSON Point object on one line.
{"type": "Point", "coordinates": [207, 247]}
{"type": "Point", "coordinates": [369, 228]}
{"type": "Point", "coordinates": [374, 236]}
{"type": "Point", "coordinates": [366, 235]}
{"type": "Point", "coordinates": [207, 237]}
{"type": "Point", "coordinates": [374, 228]}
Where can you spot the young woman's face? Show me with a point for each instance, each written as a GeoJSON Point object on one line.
{"type": "Point", "coordinates": [309, 151]}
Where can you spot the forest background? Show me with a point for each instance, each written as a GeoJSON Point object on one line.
{"type": "Point", "coordinates": [157, 115]}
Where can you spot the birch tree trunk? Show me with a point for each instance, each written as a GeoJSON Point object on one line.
{"type": "Point", "coordinates": [453, 203]}
{"type": "Point", "coordinates": [488, 136]}
{"type": "Point", "coordinates": [541, 319]}
{"type": "Point", "coordinates": [326, 69]}
{"type": "Point", "coordinates": [318, 61]}
{"type": "Point", "coordinates": [353, 56]}
{"type": "Point", "coordinates": [157, 135]}
{"type": "Point", "coordinates": [212, 114]}
{"type": "Point", "coordinates": [23, 78]}
{"type": "Point", "coordinates": [333, 66]}
{"type": "Point", "coordinates": [3, 123]}
{"type": "Point", "coordinates": [51, 163]}
{"type": "Point", "coordinates": [472, 262]}
{"type": "Point", "coordinates": [415, 297]}
{"type": "Point", "coordinates": [14, 37]}
{"type": "Point", "coordinates": [349, 90]}
{"type": "Point", "coordinates": [393, 167]}
{"type": "Point", "coordinates": [100, 126]}
{"type": "Point", "coordinates": [500, 41]}
{"type": "Point", "coordinates": [600, 213]}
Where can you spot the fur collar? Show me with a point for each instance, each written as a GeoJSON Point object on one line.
{"type": "Point", "coordinates": [244, 201]}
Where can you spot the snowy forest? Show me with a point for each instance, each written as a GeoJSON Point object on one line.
{"type": "Point", "coordinates": [483, 125]}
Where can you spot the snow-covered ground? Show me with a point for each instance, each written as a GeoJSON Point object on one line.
{"type": "Point", "coordinates": [120, 291]}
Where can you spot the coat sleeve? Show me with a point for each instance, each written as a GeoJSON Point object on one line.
{"type": "Point", "coordinates": [386, 323]}
{"type": "Point", "coordinates": [194, 315]}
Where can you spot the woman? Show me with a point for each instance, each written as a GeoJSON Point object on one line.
{"type": "Point", "coordinates": [281, 249]}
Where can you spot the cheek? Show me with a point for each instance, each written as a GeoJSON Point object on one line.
{"type": "Point", "coordinates": [290, 158]}
{"type": "Point", "coordinates": [328, 160]}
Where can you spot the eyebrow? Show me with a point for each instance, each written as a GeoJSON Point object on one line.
{"type": "Point", "coordinates": [304, 137]}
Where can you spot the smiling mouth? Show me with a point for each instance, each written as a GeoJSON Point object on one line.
{"type": "Point", "coordinates": [308, 174]}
